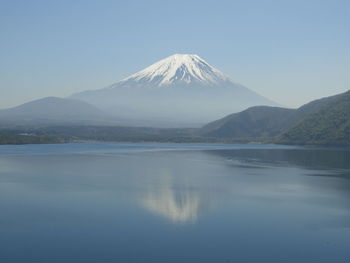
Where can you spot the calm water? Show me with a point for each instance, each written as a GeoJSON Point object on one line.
{"type": "Point", "coordinates": [109, 202]}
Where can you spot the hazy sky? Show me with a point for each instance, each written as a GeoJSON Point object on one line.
{"type": "Point", "coordinates": [290, 51]}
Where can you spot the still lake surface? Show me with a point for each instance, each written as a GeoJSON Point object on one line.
{"type": "Point", "coordinates": [121, 202]}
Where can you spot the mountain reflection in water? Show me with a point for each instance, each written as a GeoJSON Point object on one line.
{"type": "Point", "coordinates": [174, 203]}
{"type": "Point", "coordinates": [179, 206]}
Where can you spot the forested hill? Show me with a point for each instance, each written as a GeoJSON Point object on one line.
{"type": "Point", "coordinates": [323, 121]}
{"type": "Point", "coordinates": [329, 125]}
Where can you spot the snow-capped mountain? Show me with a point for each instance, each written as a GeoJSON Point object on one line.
{"type": "Point", "coordinates": [179, 90]}
{"type": "Point", "coordinates": [177, 69]}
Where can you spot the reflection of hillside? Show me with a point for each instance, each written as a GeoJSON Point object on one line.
{"type": "Point", "coordinates": [178, 206]}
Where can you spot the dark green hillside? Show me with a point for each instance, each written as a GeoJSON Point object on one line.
{"type": "Point", "coordinates": [255, 122]}
{"type": "Point", "coordinates": [329, 125]}
{"type": "Point", "coordinates": [265, 124]}
{"type": "Point", "coordinates": [9, 137]}
{"type": "Point", "coordinates": [80, 133]}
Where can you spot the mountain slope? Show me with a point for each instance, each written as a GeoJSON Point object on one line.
{"type": "Point", "coordinates": [52, 110]}
{"type": "Point", "coordinates": [180, 89]}
{"type": "Point", "coordinates": [329, 125]}
{"type": "Point", "coordinates": [269, 122]}
{"type": "Point", "coordinates": [255, 122]}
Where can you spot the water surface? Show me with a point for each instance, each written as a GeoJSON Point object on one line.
{"type": "Point", "coordinates": [120, 202]}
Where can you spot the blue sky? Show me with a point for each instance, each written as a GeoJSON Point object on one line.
{"type": "Point", "coordinates": [290, 51]}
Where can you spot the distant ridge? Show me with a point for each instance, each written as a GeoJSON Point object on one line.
{"type": "Point", "coordinates": [320, 122]}
{"type": "Point", "coordinates": [51, 110]}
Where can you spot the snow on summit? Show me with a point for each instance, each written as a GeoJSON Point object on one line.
{"type": "Point", "coordinates": [176, 69]}
{"type": "Point", "coordinates": [178, 90]}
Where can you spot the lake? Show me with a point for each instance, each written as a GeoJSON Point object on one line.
{"type": "Point", "coordinates": [149, 202]}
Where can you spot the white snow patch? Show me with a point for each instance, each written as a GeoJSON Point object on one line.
{"type": "Point", "coordinates": [176, 69]}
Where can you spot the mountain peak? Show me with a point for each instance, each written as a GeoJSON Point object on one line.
{"type": "Point", "coordinates": [178, 68]}
{"type": "Point", "coordinates": [183, 56]}
{"type": "Point", "coordinates": [182, 89]}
